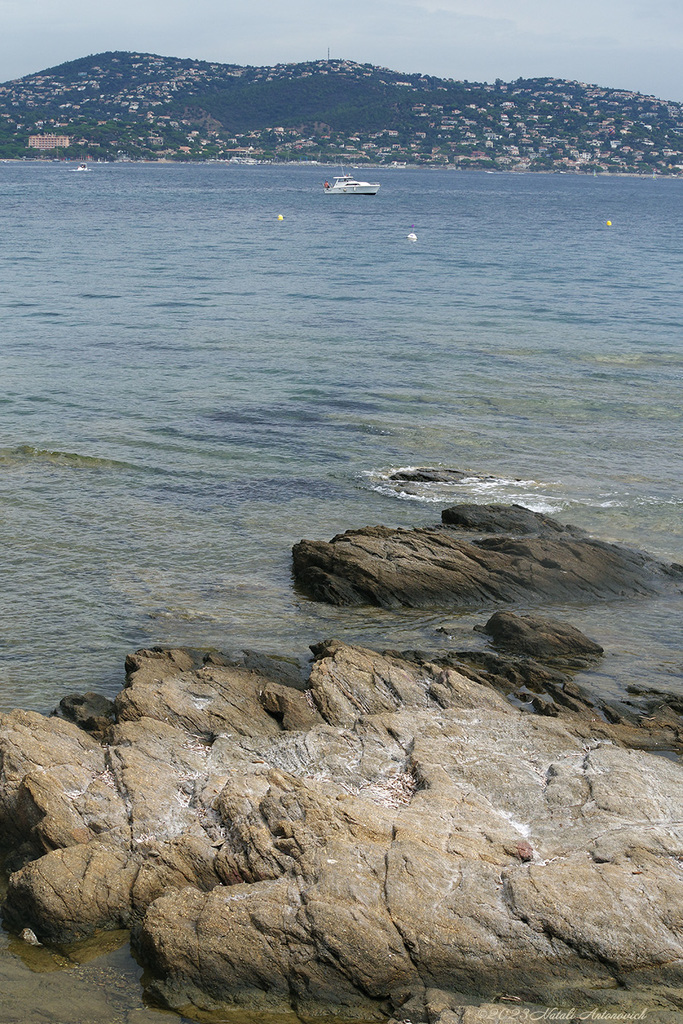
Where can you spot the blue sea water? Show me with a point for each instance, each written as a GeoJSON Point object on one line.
{"type": "Point", "coordinates": [190, 385]}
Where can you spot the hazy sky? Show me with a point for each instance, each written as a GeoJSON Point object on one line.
{"type": "Point", "coordinates": [629, 44]}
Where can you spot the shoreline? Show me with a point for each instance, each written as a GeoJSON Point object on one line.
{"type": "Point", "coordinates": [311, 828]}
{"type": "Point", "coordinates": [167, 715]}
{"type": "Point", "coordinates": [372, 167]}
{"type": "Point", "coordinates": [254, 384]}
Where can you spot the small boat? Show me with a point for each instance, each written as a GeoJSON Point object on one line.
{"type": "Point", "coordinates": [82, 167]}
{"type": "Point", "coordinates": [345, 184]}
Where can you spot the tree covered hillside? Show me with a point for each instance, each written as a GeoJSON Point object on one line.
{"type": "Point", "coordinates": [143, 106]}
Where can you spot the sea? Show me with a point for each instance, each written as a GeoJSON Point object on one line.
{"type": "Point", "coordinates": [203, 364]}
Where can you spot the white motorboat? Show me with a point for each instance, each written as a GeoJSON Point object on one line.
{"type": "Point", "coordinates": [345, 184]}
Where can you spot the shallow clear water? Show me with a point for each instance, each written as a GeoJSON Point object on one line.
{"type": "Point", "coordinates": [190, 386]}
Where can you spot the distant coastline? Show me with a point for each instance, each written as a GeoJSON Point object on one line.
{"type": "Point", "coordinates": [375, 167]}
{"type": "Point", "coordinates": [136, 106]}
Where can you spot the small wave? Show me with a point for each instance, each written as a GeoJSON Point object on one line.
{"type": "Point", "coordinates": [463, 486]}
{"type": "Point", "coordinates": [629, 500]}
{"type": "Point", "coordinates": [654, 499]}
{"type": "Point", "coordinates": [184, 615]}
{"type": "Point", "coordinates": [25, 454]}
{"type": "Point", "coordinates": [634, 359]}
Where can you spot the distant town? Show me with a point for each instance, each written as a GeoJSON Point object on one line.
{"type": "Point", "coordinates": [131, 106]}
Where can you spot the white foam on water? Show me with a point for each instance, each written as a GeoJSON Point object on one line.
{"type": "Point", "coordinates": [471, 487]}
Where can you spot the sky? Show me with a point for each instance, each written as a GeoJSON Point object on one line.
{"type": "Point", "coordinates": [624, 44]}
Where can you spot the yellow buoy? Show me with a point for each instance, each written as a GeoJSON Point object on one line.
{"type": "Point", "coordinates": [280, 217]}
{"type": "Point", "coordinates": [609, 223]}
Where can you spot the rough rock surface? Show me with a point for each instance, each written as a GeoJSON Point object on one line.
{"type": "Point", "coordinates": [647, 721]}
{"type": "Point", "coordinates": [394, 839]}
{"type": "Point", "coordinates": [91, 711]}
{"type": "Point", "coordinates": [436, 566]}
{"type": "Point", "coordinates": [540, 637]}
{"type": "Point", "coordinates": [502, 519]}
{"type": "Point", "coordinates": [430, 475]}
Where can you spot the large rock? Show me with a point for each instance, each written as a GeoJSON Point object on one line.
{"type": "Point", "coordinates": [52, 776]}
{"type": "Point", "coordinates": [649, 720]}
{"type": "Point", "coordinates": [436, 566]}
{"type": "Point", "coordinates": [515, 519]}
{"type": "Point", "coordinates": [396, 835]}
{"type": "Point", "coordinates": [91, 880]}
{"type": "Point", "coordinates": [548, 639]}
{"type": "Point", "coordinates": [91, 711]}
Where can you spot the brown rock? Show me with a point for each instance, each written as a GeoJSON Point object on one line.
{"type": "Point", "coordinates": [430, 567]}
{"type": "Point", "coordinates": [90, 711]}
{"type": "Point", "coordinates": [71, 892]}
{"type": "Point", "coordinates": [540, 637]}
{"type": "Point", "coordinates": [513, 519]}
{"type": "Point", "coordinates": [412, 838]}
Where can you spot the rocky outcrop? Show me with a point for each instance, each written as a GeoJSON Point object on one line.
{"type": "Point", "coordinates": [91, 711]}
{"type": "Point", "coordinates": [547, 639]}
{"type": "Point", "coordinates": [648, 721]}
{"type": "Point", "coordinates": [396, 838]}
{"type": "Point", "coordinates": [430, 475]}
{"type": "Point", "coordinates": [514, 519]}
{"type": "Point", "coordinates": [436, 566]}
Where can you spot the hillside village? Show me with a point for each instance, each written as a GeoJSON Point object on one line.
{"type": "Point", "coordinates": [130, 106]}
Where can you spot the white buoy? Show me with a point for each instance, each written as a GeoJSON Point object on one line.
{"type": "Point", "coordinates": [412, 237]}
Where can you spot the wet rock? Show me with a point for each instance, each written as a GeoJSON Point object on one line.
{"type": "Point", "coordinates": [436, 567]}
{"type": "Point", "coordinates": [514, 519]}
{"type": "Point", "coordinates": [650, 723]}
{"type": "Point", "coordinates": [543, 638]}
{"type": "Point", "coordinates": [431, 476]}
{"type": "Point", "coordinates": [91, 711]}
{"type": "Point", "coordinates": [279, 670]}
{"type": "Point", "coordinates": [29, 937]}
{"type": "Point", "coordinates": [287, 671]}
{"type": "Point", "coordinates": [393, 837]}
{"type": "Point", "coordinates": [658, 699]}
{"type": "Point", "coordinates": [93, 880]}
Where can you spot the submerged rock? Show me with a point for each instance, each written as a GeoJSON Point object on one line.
{"type": "Point", "coordinates": [431, 476]}
{"type": "Point", "coordinates": [430, 567]}
{"type": "Point", "coordinates": [396, 835]}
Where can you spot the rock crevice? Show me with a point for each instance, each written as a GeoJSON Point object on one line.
{"type": "Point", "coordinates": [397, 833]}
{"type": "Point", "coordinates": [397, 844]}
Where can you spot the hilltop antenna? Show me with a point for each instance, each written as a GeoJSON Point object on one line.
{"type": "Point", "coordinates": [328, 54]}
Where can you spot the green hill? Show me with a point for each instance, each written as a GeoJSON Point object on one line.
{"type": "Point", "coordinates": [144, 106]}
